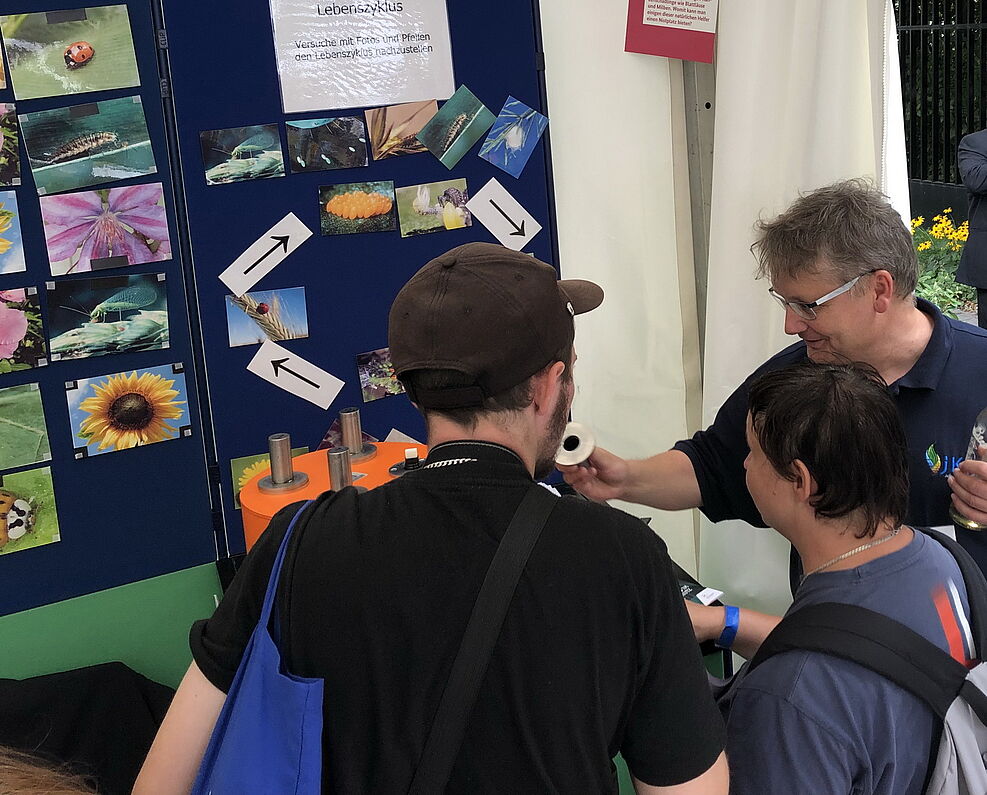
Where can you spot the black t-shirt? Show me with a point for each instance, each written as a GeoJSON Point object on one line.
{"type": "Point", "coordinates": [596, 654]}
{"type": "Point", "coordinates": [938, 401]}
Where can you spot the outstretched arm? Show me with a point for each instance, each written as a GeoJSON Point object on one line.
{"type": "Point", "coordinates": [753, 628]}
{"type": "Point", "coordinates": [666, 481]}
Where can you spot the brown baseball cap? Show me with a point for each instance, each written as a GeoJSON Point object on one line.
{"type": "Point", "coordinates": [496, 315]}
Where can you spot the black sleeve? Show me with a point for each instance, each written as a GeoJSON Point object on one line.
{"type": "Point", "coordinates": [971, 159]}
{"type": "Point", "coordinates": [218, 642]}
{"type": "Point", "coordinates": [674, 732]}
{"type": "Point", "coordinates": [717, 455]}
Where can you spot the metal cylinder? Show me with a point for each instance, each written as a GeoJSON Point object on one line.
{"type": "Point", "coordinates": [283, 477]}
{"type": "Point", "coordinates": [340, 468]}
{"type": "Point", "coordinates": [279, 445]}
{"type": "Point", "coordinates": [352, 433]}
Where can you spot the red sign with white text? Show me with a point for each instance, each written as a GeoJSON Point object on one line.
{"type": "Point", "coordinates": [673, 28]}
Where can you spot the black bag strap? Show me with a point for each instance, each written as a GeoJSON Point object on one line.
{"type": "Point", "coordinates": [874, 641]}
{"type": "Point", "coordinates": [976, 587]}
{"type": "Point", "coordinates": [479, 639]}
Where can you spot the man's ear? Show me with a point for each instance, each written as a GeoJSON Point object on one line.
{"type": "Point", "coordinates": [804, 484]}
{"type": "Point", "coordinates": [547, 386]}
{"type": "Point", "coordinates": [883, 290]}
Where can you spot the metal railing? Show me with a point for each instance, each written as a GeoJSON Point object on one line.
{"type": "Point", "coordinates": [943, 52]}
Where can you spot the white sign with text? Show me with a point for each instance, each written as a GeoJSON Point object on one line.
{"type": "Point", "coordinates": [335, 54]}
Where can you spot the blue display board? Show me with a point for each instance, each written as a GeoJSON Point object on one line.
{"type": "Point", "coordinates": [126, 515]}
{"type": "Point", "coordinates": [224, 75]}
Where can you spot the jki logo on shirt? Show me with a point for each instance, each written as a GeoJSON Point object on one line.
{"type": "Point", "coordinates": [941, 465]}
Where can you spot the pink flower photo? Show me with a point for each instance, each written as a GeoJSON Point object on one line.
{"type": "Point", "coordinates": [22, 339]}
{"type": "Point", "coordinates": [107, 228]}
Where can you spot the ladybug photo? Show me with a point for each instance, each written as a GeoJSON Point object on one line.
{"type": "Point", "coordinates": [55, 53]}
{"type": "Point", "coordinates": [27, 510]}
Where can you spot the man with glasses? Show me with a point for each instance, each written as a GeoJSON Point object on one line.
{"type": "Point", "coordinates": [842, 265]}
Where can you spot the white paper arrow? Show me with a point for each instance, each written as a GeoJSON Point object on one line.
{"type": "Point", "coordinates": [265, 254]}
{"type": "Point", "coordinates": [293, 374]}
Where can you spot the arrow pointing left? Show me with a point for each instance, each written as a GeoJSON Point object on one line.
{"type": "Point", "coordinates": [261, 257]}
{"type": "Point", "coordinates": [281, 367]}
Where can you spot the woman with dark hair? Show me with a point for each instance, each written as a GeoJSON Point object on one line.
{"type": "Point", "coordinates": [827, 469]}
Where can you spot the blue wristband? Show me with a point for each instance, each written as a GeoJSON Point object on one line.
{"type": "Point", "coordinates": [730, 623]}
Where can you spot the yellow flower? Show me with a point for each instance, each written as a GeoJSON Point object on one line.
{"type": "Point", "coordinates": [128, 410]}
{"type": "Point", "coordinates": [252, 471]}
{"type": "Point", "coordinates": [947, 210]}
{"type": "Point", "coordinates": [925, 246]}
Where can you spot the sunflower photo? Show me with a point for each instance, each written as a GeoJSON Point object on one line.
{"type": "Point", "coordinates": [11, 244]}
{"type": "Point", "coordinates": [393, 129]}
{"type": "Point", "coordinates": [377, 379]}
{"type": "Point", "coordinates": [10, 156]}
{"type": "Point", "coordinates": [22, 337]}
{"type": "Point", "coordinates": [513, 137]}
{"type": "Point", "coordinates": [324, 144]}
{"type": "Point", "coordinates": [130, 409]}
{"type": "Point", "coordinates": [357, 207]}
{"type": "Point", "coordinates": [23, 432]}
{"type": "Point", "coordinates": [84, 145]}
{"type": "Point", "coordinates": [433, 207]}
{"type": "Point", "coordinates": [106, 228]}
{"type": "Point", "coordinates": [248, 467]}
{"type": "Point", "coordinates": [28, 516]}
{"type": "Point", "coordinates": [275, 315]}
{"type": "Point", "coordinates": [238, 154]}
{"type": "Point", "coordinates": [54, 53]}
{"type": "Point", "coordinates": [459, 124]}
{"type": "Point", "coordinates": [111, 314]}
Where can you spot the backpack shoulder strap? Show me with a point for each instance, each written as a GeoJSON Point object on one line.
{"type": "Point", "coordinates": [976, 587]}
{"type": "Point", "coordinates": [874, 641]}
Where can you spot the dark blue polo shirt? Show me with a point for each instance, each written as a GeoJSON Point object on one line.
{"type": "Point", "coordinates": [938, 400]}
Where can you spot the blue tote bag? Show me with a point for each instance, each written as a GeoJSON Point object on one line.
{"type": "Point", "coordinates": [268, 737]}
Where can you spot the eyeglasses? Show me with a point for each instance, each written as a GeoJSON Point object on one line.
{"type": "Point", "coordinates": [807, 311]}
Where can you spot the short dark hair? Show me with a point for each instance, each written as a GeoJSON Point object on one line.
{"type": "Point", "coordinates": [516, 398]}
{"type": "Point", "coordinates": [849, 224]}
{"type": "Point", "coordinates": [840, 421]}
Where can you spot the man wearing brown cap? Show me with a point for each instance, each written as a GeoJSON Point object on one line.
{"type": "Point", "coordinates": [595, 654]}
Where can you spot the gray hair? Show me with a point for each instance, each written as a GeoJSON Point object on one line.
{"type": "Point", "coordinates": [844, 229]}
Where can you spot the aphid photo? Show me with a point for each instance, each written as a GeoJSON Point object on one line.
{"type": "Point", "coordinates": [11, 244]}
{"type": "Point", "coordinates": [357, 207]}
{"type": "Point", "coordinates": [324, 144]}
{"type": "Point", "coordinates": [513, 137]}
{"type": "Point", "coordinates": [23, 433]}
{"type": "Point", "coordinates": [56, 53]}
{"type": "Point", "coordinates": [459, 124]}
{"type": "Point", "coordinates": [112, 314]}
{"type": "Point", "coordinates": [275, 315]}
{"type": "Point", "coordinates": [238, 154]}
{"type": "Point", "coordinates": [393, 129]}
{"type": "Point", "coordinates": [28, 516]}
{"type": "Point", "coordinates": [129, 409]}
{"type": "Point", "coordinates": [90, 144]}
{"type": "Point", "coordinates": [105, 228]}
{"type": "Point", "coordinates": [433, 207]}
{"type": "Point", "coordinates": [10, 156]}
{"type": "Point", "coordinates": [22, 338]}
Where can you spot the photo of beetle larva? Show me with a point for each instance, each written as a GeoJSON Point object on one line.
{"type": "Point", "coordinates": [84, 145]}
{"type": "Point", "coordinates": [28, 517]}
{"type": "Point", "coordinates": [459, 124]}
{"type": "Point", "coordinates": [56, 53]}
{"type": "Point", "coordinates": [239, 154]}
{"type": "Point", "coordinates": [112, 314]}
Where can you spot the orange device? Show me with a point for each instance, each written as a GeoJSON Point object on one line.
{"type": "Point", "coordinates": [310, 477]}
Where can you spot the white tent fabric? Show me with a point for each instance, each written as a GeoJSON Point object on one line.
{"type": "Point", "coordinates": [806, 93]}
{"type": "Point", "coordinates": [621, 190]}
